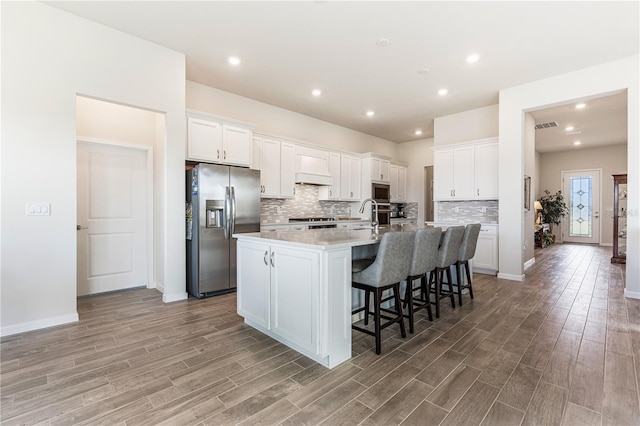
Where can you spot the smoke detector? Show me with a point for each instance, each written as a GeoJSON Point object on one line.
{"type": "Point", "coordinates": [546, 125]}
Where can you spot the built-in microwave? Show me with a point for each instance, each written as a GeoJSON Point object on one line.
{"type": "Point", "coordinates": [381, 193]}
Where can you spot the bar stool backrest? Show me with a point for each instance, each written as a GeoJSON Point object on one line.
{"type": "Point", "coordinates": [392, 261]}
{"type": "Point", "coordinates": [448, 252]}
{"type": "Point", "coordinates": [469, 242]}
{"type": "Point", "coordinates": [425, 251]}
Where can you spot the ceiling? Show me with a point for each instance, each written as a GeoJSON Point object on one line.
{"type": "Point", "coordinates": [289, 48]}
{"type": "Point", "coordinates": [602, 122]}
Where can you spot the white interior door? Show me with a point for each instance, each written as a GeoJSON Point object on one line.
{"type": "Point", "coordinates": [581, 191]}
{"type": "Point", "coordinates": [112, 218]}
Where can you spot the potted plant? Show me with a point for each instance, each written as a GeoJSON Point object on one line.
{"type": "Point", "coordinates": [553, 208]}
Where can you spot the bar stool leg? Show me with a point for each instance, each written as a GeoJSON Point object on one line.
{"type": "Point", "coordinates": [460, 279]}
{"type": "Point", "coordinates": [424, 290]}
{"type": "Point", "coordinates": [396, 292]}
{"type": "Point", "coordinates": [450, 280]}
{"type": "Point", "coordinates": [466, 268]}
{"type": "Point", "coordinates": [408, 302]}
{"type": "Point", "coordinates": [376, 300]}
{"type": "Point", "coordinates": [367, 295]}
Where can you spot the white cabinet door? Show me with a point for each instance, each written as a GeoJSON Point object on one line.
{"type": "Point", "coordinates": [236, 145]}
{"type": "Point", "coordinates": [287, 170]}
{"type": "Point", "coordinates": [486, 256]}
{"type": "Point", "coordinates": [379, 170]}
{"type": "Point", "coordinates": [402, 184]}
{"type": "Point", "coordinates": [295, 297]}
{"type": "Point", "coordinates": [355, 178]}
{"type": "Point", "coordinates": [254, 295]}
{"type": "Point", "coordinates": [332, 192]}
{"type": "Point", "coordinates": [486, 171]}
{"type": "Point", "coordinates": [393, 184]}
{"type": "Point", "coordinates": [463, 173]}
{"type": "Point", "coordinates": [204, 140]}
{"type": "Point", "coordinates": [443, 174]}
{"type": "Point", "coordinates": [270, 168]}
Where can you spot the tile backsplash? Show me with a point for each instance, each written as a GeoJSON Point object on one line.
{"type": "Point", "coordinates": [304, 204]}
{"type": "Point", "coordinates": [467, 211]}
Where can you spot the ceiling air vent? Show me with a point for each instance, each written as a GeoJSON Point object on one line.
{"type": "Point", "coordinates": [546, 125]}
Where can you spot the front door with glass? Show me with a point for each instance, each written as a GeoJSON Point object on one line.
{"type": "Point", "coordinates": [582, 195]}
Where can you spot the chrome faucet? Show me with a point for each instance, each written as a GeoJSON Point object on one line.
{"type": "Point", "coordinates": [374, 218]}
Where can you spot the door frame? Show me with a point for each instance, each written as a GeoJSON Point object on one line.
{"type": "Point", "coordinates": [565, 219]}
{"type": "Point", "coordinates": [151, 282]}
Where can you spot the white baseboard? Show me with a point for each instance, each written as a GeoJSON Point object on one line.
{"type": "Point", "coordinates": [510, 277]}
{"type": "Point", "coordinates": [632, 294]}
{"type": "Point", "coordinates": [168, 298]}
{"type": "Point", "coordinates": [37, 325]}
{"type": "Point", "coordinates": [529, 262]}
{"type": "Point", "coordinates": [606, 244]}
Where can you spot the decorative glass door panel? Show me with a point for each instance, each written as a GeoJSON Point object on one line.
{"type": "Point", "coordinates": [582, 195]}
{"type": "Point", "coordinates": [619, 219]}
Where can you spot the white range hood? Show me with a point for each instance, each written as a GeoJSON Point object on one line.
{"type": "Point", "coordinates": [312, 166]}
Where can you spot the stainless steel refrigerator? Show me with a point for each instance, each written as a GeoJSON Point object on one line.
{"type": "Point", "coordinates": [221, 201]}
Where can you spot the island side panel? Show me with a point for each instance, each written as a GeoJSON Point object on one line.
{"type": "Point", "coordinates": [335, 322]}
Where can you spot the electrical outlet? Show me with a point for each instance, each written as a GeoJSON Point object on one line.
{"type": "Point", "coordinates": [483, 209]}
{"type": "Point", "coordinates": [456, 209]}
{"type": "Point", "coordinates": [278, 209]}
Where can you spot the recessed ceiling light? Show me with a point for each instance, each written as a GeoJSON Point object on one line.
{"type": "Point", "coordinates": [577, 143]}
{"type": "Point", "coordinates": [424, 70]}
{"type": "Point", "coordinates": [418, 132]}
{"type": "Point", "coordinates": [581, 105]}
{"type": "Point", "coordinates": [442, 92]}
{"type": "Point", "coordinates": [234, 60]}
{"type": "Point", "coordinates": [382, 42]}
{"type": "Point", "coordinates": [370, 113]}
{"type": "Point", "coordinates": [316, 92]}
{"type": "Point", "coordinates": [568, 128]}
{"type": "Point", "coordinates": [473, 58]}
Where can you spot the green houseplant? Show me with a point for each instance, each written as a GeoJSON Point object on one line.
{"type": "Point", "coordinates": [553, 208]}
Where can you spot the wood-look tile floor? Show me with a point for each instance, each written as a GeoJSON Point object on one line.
{"type": "Point", "coordinates": [560, 348]}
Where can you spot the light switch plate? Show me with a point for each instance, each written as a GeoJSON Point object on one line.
{"type": "Point", "coordinates": [38, 209]}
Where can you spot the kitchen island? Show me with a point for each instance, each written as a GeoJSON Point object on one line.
{"type": "Point", "coordinates": [295, 286]}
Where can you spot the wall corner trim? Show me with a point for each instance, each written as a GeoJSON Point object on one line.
{"type": "Point", "coordinates": [37, 325]}
{"type": "Point", "coordinates": [168, 298]}
{"type": "Point", "coordinates": [511, 277]}
{"type": "Point", "coordinates": [529, 262]}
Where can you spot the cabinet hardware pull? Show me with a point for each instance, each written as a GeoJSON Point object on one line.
{"type": "Point", "coordinates": [224, 154]}
{"type": "Point", "coordinates": [478, 192]}
{"type": "Point", "coordinates": [218, 154]}
{"type": "Point", "coordinates": [329, 193]}
{"type": "Point", "coordinates": [266, 253]}
{"type": "Point", "coordinates": [273, 264]}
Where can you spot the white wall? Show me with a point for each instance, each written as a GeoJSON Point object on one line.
{"type": "Point", "coordinates": [277, 121]}
{"type": "Point", "coordinates": [611, 159]}
{"type": "Point", "coordinates": [48, 57]}
{"type": "Point", "coordinates": [480, 123]}
{"type": "Point", "coordinates": [607, 78]}
{"type": "Point", "coordinates": [417, 155]}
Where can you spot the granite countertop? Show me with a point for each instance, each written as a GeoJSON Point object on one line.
{"type": "Point", "coordinates": [326, 238]}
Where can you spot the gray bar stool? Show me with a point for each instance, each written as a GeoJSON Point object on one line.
{"type": "Point", "coordinates": [447, 256]}
{"type": "Point", "coordinates": [466, 252]}
{"type": "Point", "coordinates": [423, 261]}
{"type": "Point", "coordinates": [390, 266]}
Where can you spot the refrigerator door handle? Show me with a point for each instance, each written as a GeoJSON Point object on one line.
{"type": "Point", "coordinates": [232, 226]}
{"type": "Point", "coordinates": [227, 213]}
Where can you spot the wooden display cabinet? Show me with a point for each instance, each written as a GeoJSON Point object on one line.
{"type": "Point", "coordinates": [619, 219]}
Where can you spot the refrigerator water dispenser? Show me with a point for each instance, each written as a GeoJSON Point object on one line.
{"type": "Point", "coordinates": [215, 213]}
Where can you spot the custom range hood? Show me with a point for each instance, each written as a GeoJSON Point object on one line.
{"type": "Point", "coordinates": [312, 166]}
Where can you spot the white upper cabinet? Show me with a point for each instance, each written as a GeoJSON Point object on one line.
{"type": "Point", "coordinates": [486, 171]}
{"type": "Point", "coordinates": [350, 169]}
{"type": "Point", "coordinates": [275, 160]}
{"type": "Point", "coordinates": [332, 192]}
{"type": "Point", "coordinates": [213, 140]}
{"type": "Point", "coordinates": [466, 172]}
{"type": "Point", "coordinates": [379, 169]}
{"type": "Point", "coordinates": [398, 183]}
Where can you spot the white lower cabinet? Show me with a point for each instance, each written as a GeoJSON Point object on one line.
{"type": "Point", "coordinates": [486, 257]}
{"type": "Point", "coordinates": [279, 291]}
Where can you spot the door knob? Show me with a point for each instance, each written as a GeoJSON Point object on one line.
{"type": "Point", "coordinates": [79, 227]}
